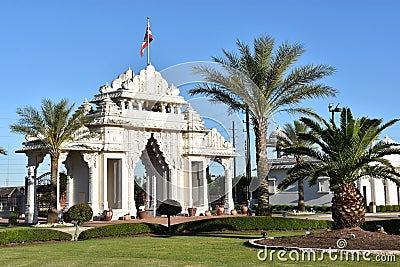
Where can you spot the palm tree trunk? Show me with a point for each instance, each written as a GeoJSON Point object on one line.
{"type": "Point", "coordinates": [301, 204]}
{"type": "Point", "coordinates": [348, 208]}
{"type": "Point", "coordinates": [262, 168]}
{"type": "Point", "coordinates": [52, 213]}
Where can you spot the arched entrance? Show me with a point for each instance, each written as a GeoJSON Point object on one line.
{"type": "Point", "coordinates": [158, 175]}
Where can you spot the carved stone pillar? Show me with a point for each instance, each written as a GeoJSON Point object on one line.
{"type": "Point", "coordinates": [93, 180]}
{"type": "Point", "coordinates": [30, 196]}
{"type": "Point", "coordinates": [61, 160]}
{"type": "Point", "coordinates": [70, 192]}
{"type": "Point", "coordinates": [229, 205]}
{"type": "Point", "coordinates": [154, 189]}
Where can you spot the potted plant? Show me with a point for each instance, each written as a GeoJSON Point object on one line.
{"type": "Point", "coordinates": [220, 209]}
{"type": "Point", "coordinates": [192, 211]}
{"type": "Point", "coordinates": [143, 213]}
{"type": "Point", "coordinates": [127, 216]}
{"type": "Point", "coordinates": [108, 214]}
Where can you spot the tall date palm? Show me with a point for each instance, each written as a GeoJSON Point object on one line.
{"type": "Point", "coordinates": [263, 81]}
{"type": "Point", "coordinates": [345, 153]}
{"type": "Point", "coordinates": [53, 125]}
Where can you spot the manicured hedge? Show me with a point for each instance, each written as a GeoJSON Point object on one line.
{"type": "Point", "coordinates": [390, 226]}
{"type": "Point", "coordinates": [243, 223]}
{"type": "Point", "coordinates": [279, 208]}
{"type": "Point", "coordinates": [31, 235]}
{"type": "Point", "coordinates": [122, 229]}
{"type": "Point", "coordinates": [388, 208]}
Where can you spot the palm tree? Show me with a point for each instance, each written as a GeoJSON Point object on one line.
{"type": "Point", "coordinates": [53, 126]}
{"type": "Point", "coordinates": [290, 137]}
{"type": "Point", "coordinates": [263, 82]}
{"type": "Point", "coordinates": [345, 153]}
{"type": "Point", "coordinates": [3, 151]}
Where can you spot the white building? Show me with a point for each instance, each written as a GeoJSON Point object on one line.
{"type": "Point", "coordinates": [138, 117]}
{"type": "Point", "coordinates": [378, 191]}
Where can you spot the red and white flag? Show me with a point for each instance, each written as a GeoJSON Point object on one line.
{"type": "Point", "coordinates": [148, 37]}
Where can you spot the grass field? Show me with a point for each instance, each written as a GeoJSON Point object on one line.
{"type": "Point", "coordinates": [200, 250]}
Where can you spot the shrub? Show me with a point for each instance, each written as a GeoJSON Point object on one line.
{"type": "Point", "coordinates": [324, 208]}
{"type": "Point", "coordinates": [286, 208]}
{"type": "Point", "coordinates": [389, 208]}
{"type": "Point", "coordinates": [390, 226]}
{"type": "Point", "coordinates": [122, 229]}
{"type": "Point", "coordinates": [14, 215]}
{"type": "Point", "coordinates": [396, 208]}
{"type": "Point", "coordinates": [383, 208]}
{"type": "Point", "coordinates": [251, 223]}
{"type": "Point", "coordinates": [80, 213]}
{"type": "Point", "coordinates": [31, 235]}
{"type": "Point", "coordinates": [254, 207]}
{"type": "Point", "coordinates": [169, 207]}
{"type": "Point", "coordinates": [378, 208]}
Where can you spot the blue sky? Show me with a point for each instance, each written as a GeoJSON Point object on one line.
{"type": "Point", "coordinates": [58, 49]}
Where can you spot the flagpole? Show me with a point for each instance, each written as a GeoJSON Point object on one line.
{"type": "Point", "coordinates": [148, 41]}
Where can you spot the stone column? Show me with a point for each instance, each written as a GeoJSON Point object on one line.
{"type": "Point", "coordinates": [173, 184]}
{"type": "Point", "coordinates": [30, 196]}
{"type": "Point", "coordinates": [154, 189]}
{"type": "Point", "coordinates": [373, 196]}
{"type": "Point", "coordinates": [205, 184]}
{"type": "Point", "coordinates": [61, 160]}
{"type": "Point", "coordinates": [93, 180]}
{"type": "Point", "coordinates": [131, 192]}
{"type": "Point", "coordinates": [190, 185]}
{"type": "Point", "coordinates": [70, 192]}
{"type": "Point", "coordinates": [229, 205]}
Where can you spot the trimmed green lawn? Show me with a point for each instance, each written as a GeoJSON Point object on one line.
{"type": "Point", "coordinates": [226, 249]}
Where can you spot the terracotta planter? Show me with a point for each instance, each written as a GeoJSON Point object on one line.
{"type": "Point", "coordinates": [244, 210]}
{"type": "Point", "coordinates": [143, 214]}
{"type": "Point", "coordinates": [192, 211]}
{"type": "Point", "coordinates": [233, 212]}
{"type": "Point", "coordinates": [220, 210]}
{"type": "Point", "coordinates": [108, 215]}
{"type": "Point", "coordinates": [208, 213]}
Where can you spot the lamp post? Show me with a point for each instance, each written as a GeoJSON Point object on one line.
{"type": "Point", "coordinates": [333, 110]}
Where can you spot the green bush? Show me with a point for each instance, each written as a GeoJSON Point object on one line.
{"type": "Point", "coordinates": [396, 208]}
{"type": "Point", "coordinates": [14, 215]}
{"type": "Point", "coordinates": [31, 235]}
{"type": "Point", "coordinates": [251, 223]}
{"type": "Point", "coordinates": [389, 208]}
{"type": "Point", "coordinates": [121, 229]}
{"type": "Point", "coordinates": [80, 213]}
{"type": "Point", "coordinates": [378, 208]}
{"type": "Point", "coordinates": [169, 207]}
{"type": "Point", "coordinates": [254, 207]}
{"type": "Point", "coordinates": [324, 208]}
{"type": "Point", "coordinates": [390, 226]}
{"type": "Point", "coordinates": [383, 208]}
